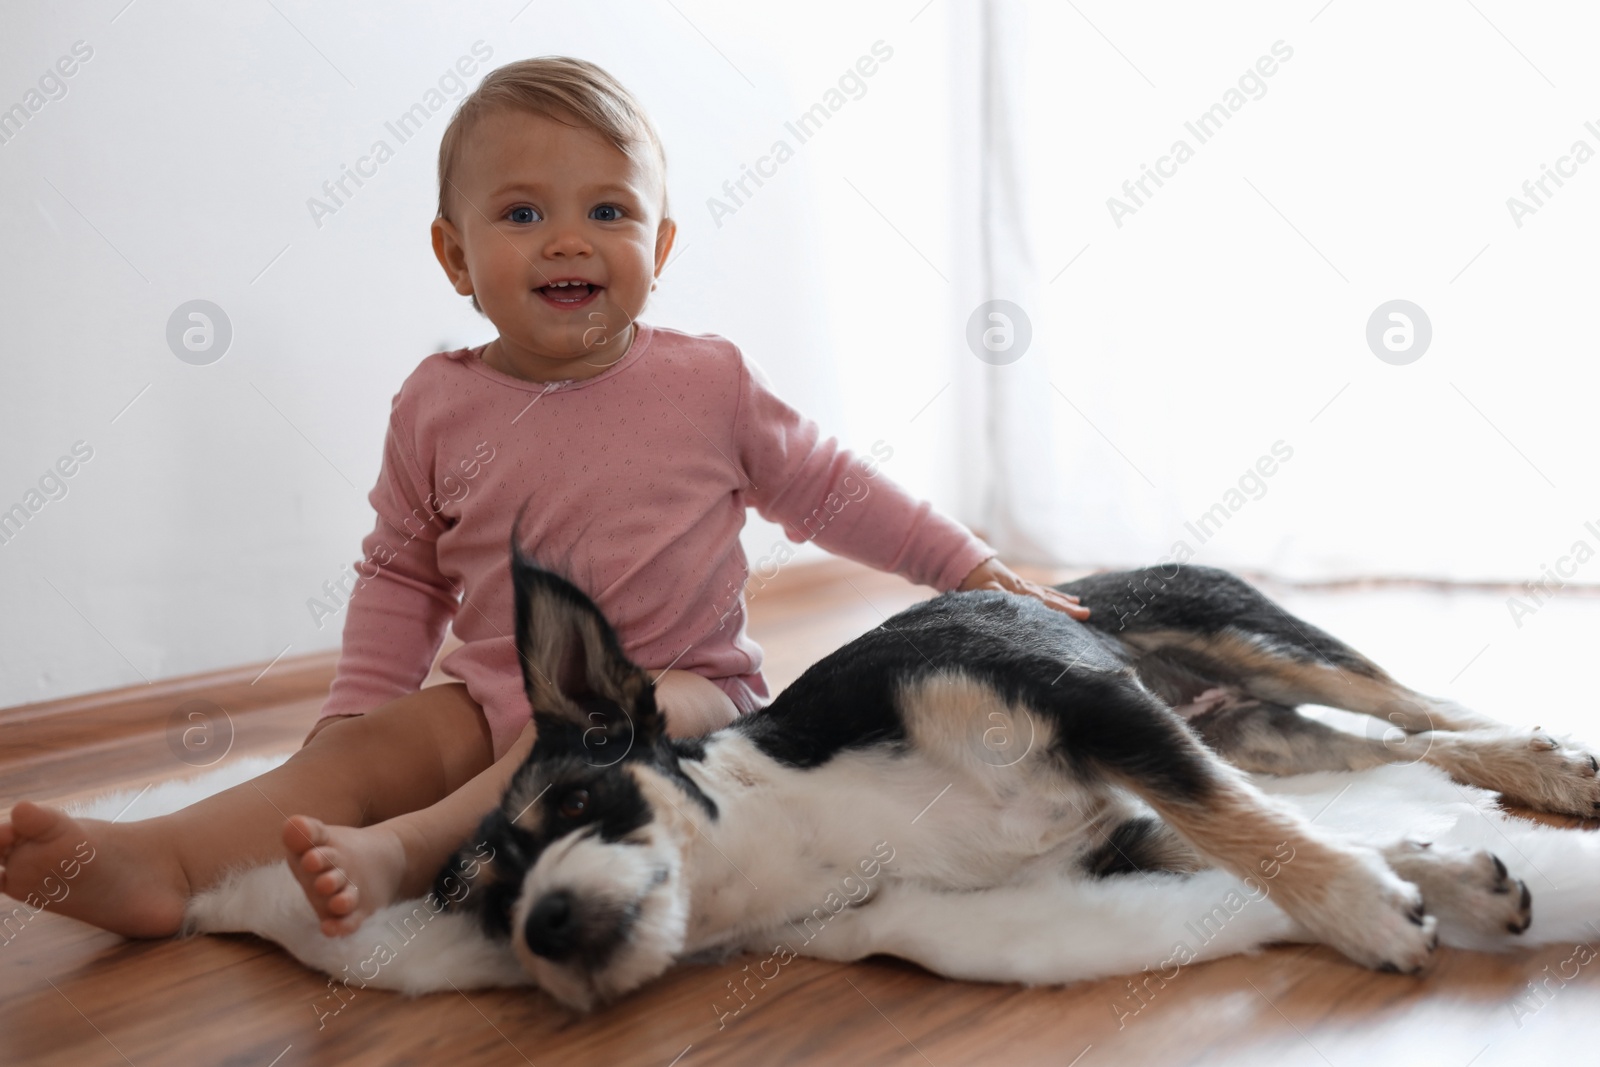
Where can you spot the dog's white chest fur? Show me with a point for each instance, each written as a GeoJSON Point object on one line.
{"type": "Point", "coordinates": [972, 808]}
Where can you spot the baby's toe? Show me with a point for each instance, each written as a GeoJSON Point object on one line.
{"type": "Point", "coordinates": [344, 901]}
{"type": "Point", "coordinates": [301, 833]}
{"type": "Point", "coordinates": [30, 821]}
{"type": "Point", "coordinates": [317, 859]}
{"type": "Point", "coordinates": [330, 882]}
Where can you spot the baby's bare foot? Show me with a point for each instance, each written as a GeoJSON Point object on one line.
{"type": "Point", "coordinates": [123, 878]}
{"type": "Point", "coordinates": [347, 872]}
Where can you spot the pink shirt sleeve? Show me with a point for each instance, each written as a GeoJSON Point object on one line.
{"type": "Point", "coordinates": [397, 614]}
{"type": "Point", "coordinates": [819, 491]}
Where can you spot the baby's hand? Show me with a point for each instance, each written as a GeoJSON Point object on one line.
{"type": "Point", "coordinates": [992, 574]}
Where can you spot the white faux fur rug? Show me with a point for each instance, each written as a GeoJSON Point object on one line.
{"type": "Point", "coordinates": [1126, 923]}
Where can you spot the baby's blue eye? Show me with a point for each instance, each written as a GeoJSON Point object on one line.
{"type": "Point", "coordinates": [606, 213]}
{"type": "Point", "coordinates": [522, 214]}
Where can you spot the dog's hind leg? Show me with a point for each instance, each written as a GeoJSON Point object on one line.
{"type": "Point", "coordinates": [1107, 726]}
{"type": "Point", "coordinates": [1528, 769]}
{"type": "Point", "coordinates": [1273, 739]}
{"type": "Point", "coordinates": [1469, 890]}
{"type": "Point", "coordinates": [1203, 626]}
{"type": "Point", "coordinates": [1200, 627]}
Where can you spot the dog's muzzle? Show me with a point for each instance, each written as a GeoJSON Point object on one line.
{"type": "Point", "coordinates": [564, 929]}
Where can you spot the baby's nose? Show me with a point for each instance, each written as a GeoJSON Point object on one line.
{"type": "Point", "coordinates": [567, 243]}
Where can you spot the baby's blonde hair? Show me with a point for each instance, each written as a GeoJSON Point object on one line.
{"type": "Point", "coordinates": [560, 88]}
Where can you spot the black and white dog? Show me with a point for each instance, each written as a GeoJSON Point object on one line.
{"type": "Point", "coordinates": [985, 735]}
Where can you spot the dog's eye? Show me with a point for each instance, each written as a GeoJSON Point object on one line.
{"type": "Point", "coordinates": [574, 804]}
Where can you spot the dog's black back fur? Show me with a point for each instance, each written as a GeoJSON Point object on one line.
{"type": "Point", "coordinates": [847, 699]}
{"type": "Point", "coordinates": [1030, 654]}
{"type": "Point", "coordinates": [1203, 600]}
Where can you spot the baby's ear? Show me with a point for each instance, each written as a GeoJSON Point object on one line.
{"type": "Point", "coordinates": [573, 667]}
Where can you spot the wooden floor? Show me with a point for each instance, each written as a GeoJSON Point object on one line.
{"type": "Point", "coordinates": [72, 995]}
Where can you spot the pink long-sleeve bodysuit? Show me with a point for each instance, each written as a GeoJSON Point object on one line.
{"type": "Point", "coordinates": [636, 483]}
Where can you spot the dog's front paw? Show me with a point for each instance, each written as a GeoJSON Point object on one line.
{"type": "Point", "coordinates": [1372, 915]}
{"type": "Point", "coordinates": [1464, 887]}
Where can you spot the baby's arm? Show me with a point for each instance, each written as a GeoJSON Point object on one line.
{"type": "Point", "coordinates": [401, 603]}
{"type": "Point", "coordinates": [395, 623]}
{"type": "Point", "coordinates": [821, 492]}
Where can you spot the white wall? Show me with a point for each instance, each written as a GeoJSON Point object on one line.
{"type": "Point", "coordinates": [1229, 311]}
{"type": "Point", "coordinates": [178, 165]}
{"type": "Point", "coordinates": [1226, 314]}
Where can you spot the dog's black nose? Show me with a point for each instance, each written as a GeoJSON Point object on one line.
{"type": "Point", "coordinates": [552, 928]}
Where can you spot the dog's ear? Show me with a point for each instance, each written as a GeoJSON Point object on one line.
{"type": "Point", "coordinates": [573, 667]}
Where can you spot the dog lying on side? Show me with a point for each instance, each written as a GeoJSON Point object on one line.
{"type": "Point", "coordinates": [986, 738]}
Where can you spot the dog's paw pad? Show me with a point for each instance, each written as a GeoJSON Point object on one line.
{"type": "Point", "coordinates": [1469, 888]}
{"type": "Point", "coordinates": [1376, 917]}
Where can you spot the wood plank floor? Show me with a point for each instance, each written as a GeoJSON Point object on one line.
{"type": "Point", "coordinates": [70, 995]}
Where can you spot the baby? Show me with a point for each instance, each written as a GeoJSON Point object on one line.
{"type": "Point", "coordinates": [626, 453]}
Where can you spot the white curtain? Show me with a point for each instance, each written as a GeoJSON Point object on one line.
{"type": "Point", "coordinates": [1200, 379]}
{"type": "Point", "coordinates": [1023, 520]}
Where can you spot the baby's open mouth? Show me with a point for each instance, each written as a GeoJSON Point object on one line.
{"type": "Point", "coordinates": [568, 293]}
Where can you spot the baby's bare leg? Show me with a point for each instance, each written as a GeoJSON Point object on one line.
{"type": "Point", "coordinates": [693, 705]}
{"type": "Point", "coordinates": [349, 872]}
{"type": "Point", "coordinates": [136, 878]}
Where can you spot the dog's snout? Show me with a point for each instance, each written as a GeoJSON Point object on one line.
{"type": "Point", "coordinates": [552, 928]}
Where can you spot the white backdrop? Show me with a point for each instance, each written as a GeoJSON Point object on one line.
{"type": "Point", "coordinates": [1227, 313]}
{"type": "Point", "coordinates": [176, 162]}
{"type": "Point", "coordinates": [1228, 310]}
